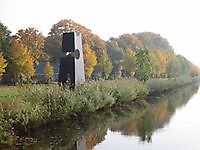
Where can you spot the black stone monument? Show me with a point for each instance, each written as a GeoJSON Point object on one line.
{"type": "Point", "coordinates": [71, 62]}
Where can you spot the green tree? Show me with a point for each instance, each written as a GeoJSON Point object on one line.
{"type": "Point", "coordinates": [3, 64]}
{"type": "Point", "coordinates": [129, 62]}
{"type": "Point", "coordinates": [4, 38]}
{"type": "Point", "coordinates": [104, 67]}
{"type": "Point", "coordinates": [21, 63]}
{"type": "Point", "coordinates": [144, 69]}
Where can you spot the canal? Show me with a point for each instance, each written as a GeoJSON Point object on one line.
{"type": "Point", "coordinates": [167, 122]}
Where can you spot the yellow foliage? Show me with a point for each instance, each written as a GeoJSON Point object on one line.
{"type": "Point", "coordinates": [48, 70]}
{"type": "Point", "coordinates": [161, 59]}
{"type": "Point", "coordinates": [90, 59]}
{"type": "Point", "coordinates": [21, 62]}
{"type": "Point", "coordinates": [3, 64]}
{"type": "Point", "coordinates": [34, 42]}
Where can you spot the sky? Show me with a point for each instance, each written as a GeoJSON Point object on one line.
{"type": "Point", "coordinates": [176, 20]}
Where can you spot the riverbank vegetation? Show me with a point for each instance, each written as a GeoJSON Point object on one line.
{"type": "Point", "coordinates": [158, 86]}
{"type": "Point", "coordinates": [30, 106]}
{"type": "Point", "coordinates": [132, 120]}
{"type": "Point", "coordinates": [119, 70]}
{"type": "Point", "coordinates": [28, 56]}
{"type": "Point", "coordinates": [35, 105]}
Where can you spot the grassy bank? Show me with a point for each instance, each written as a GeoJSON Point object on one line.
{"type": "Point", "coordinates": [29, 106]}
{"type": "Point", "coordinates": [163, 85]}
{"type": "Point", "coordinates": [39, 104]}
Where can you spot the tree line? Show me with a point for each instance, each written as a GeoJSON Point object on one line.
{"type": "Point", "coordinates": [142, 55]}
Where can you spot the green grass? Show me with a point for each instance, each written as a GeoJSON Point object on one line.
{"type": "Point", "coordinates": [8, 91]}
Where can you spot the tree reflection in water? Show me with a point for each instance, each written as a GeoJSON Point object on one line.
{"type": "Point", "coordinates": [85, 133]}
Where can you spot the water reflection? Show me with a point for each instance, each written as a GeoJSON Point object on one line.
{"type": "Point", "coordinates": [88, 132]}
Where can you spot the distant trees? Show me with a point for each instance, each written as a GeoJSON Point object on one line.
{"type": "Point", "coordinates": [128, 63]}
{"type": "Point", "coordinates": [178, 65]}
{"type": "Point", "coordinates": [153, 41]}
{"type": "Point", "coordinates": [115, 53]}
{"type": "Point", "coordinates": [155, 57]}
{"type": "Point", "coordinates": [142, 55]}
{"type": "Point", "coordinates": [184, 65]}
{"type": "Point", "coordinates": [104, 66]}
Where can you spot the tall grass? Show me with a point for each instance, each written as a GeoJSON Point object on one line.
{"type": "Point", "coordinates": [161, 85]}
{"type": "Point", "coordinates": [35, 105]}
{"type": "Point", "coordinates": [39, 104]}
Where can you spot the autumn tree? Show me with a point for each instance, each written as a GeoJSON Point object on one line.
{"type": "Point", "coordinates": [21, 63]}
{"type": "Point", "coordinates": [90, 60]}
{"type": "Point", "coordinates": [130, 41]}
{"type": "Point", "coordinates": [34, 40]}
{"type": "Point", "coordinates": [129, 62]}
{"type": "Point", "coordinates": [159, 60]}
{"type": "Point", "coordinates": [54, 40]}
{"type": "Point", "coordinates": [48, 70]}
{"type": "Point", "coordinates": [159, 49]}
{"type": "Point", "coordinates": [143, 65]}
{"type": "Point", "coordinates": [3, 64]}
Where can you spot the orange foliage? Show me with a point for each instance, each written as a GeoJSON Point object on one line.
{"type": "Point", "coordinates": [33, 40]}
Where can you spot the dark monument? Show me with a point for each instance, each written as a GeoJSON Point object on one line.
{"type": "Point", "coordinates": [71, 62]}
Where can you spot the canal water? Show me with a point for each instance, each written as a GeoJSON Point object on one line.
{"type": "Point", "coordinates": [169, 122]}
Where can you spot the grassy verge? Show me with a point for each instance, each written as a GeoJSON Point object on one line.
{"type": "Point", "coordinates": [162, 85]}
{"type": "Point", "coordinates": [39, 104]}
{"type": "Point", "coordinates": [29, 106]}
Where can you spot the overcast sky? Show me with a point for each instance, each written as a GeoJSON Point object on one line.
{"type": "Point", "coordinates": [176, 20]}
